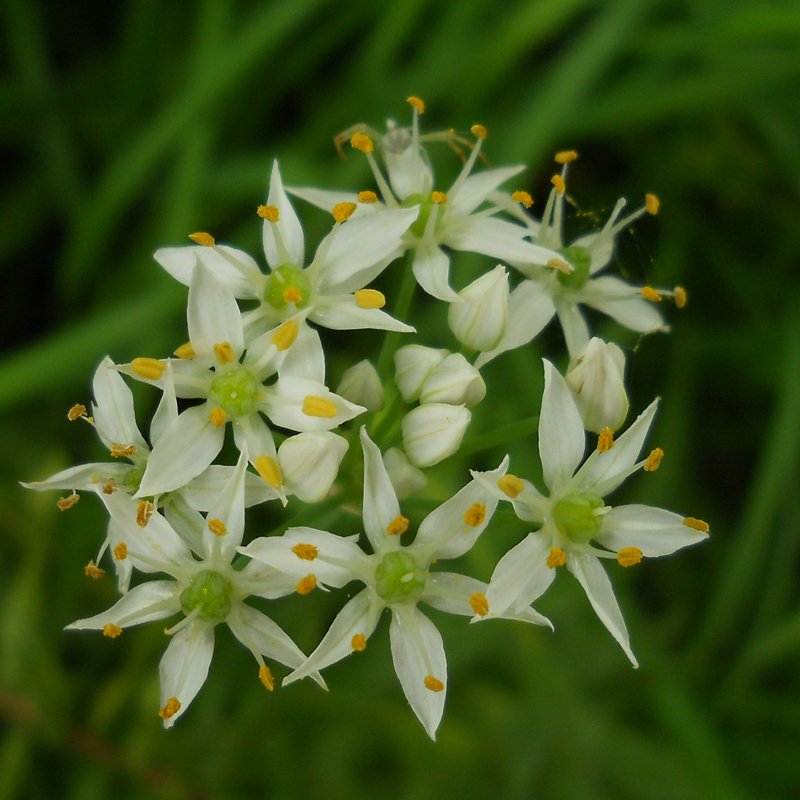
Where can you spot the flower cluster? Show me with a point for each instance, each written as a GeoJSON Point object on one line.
{"type": "Point", "coordinates": [254, 362]}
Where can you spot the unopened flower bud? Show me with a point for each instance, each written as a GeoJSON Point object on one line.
{"type": "Point", "coordinates": [362, 386]}
{"type": "Point", "coordinates": [479, 321]}
{"type": "Point", "coordinates": [433, 432]}
{"type": "Point", "coordinates": [405, 477]}
{"type": "Point", "coordinates": [455, 381]}
{"type": "Point", "coordinates": [412, 364]}
{"type": "Point", "coordinates": [596, 379]}
{"type": "Point", "coordinates": [310, 462]}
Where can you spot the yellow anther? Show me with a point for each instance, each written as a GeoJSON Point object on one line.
{"type": "Point", "coordinates": [305, 552]}
{"type": "Point", "coordinates": [359, 643]}
{"type": "Point", "coordinates": [217, 527]}
{"type": "Point", "coordinates": [205, 239]}
{"type": "Point", "coordinates": [308, 584]}
{"type": "Point", "coordinates": [557, 558]}
{"type": "Point", "coordinates": [314, 406]}
{"type": "Point", "coordinates": [269, 213]}
{"type": "Point", "coordinates": [651, 204]}
{"type": "Point", "coordinates": [112, 631]}
{"type": "Point", "coordinates": [629, 556]}
{"type": "Point", "coordinates": [566, 156]}
{"type": "Point", "coordinates": [292, 295]}
{"type": "Point", "coordinates": [224, 353]}
{"type": "Point", "coordinates": [185, 351]}
{"type": "Point", "coordinates": [479, 603]}
{"type": "Point", "coordinates": [269, 470]}
{"type": "Point", "coordinates": [110, 486]}
{"type": "Point", "coordinates": [75, 412]}
{"type": "Point", "coordinates": [121, 551]}
{"type": "Point", "coordinates": [696, 524]}
{"type": "Point", "coordinates": [416, 103]}
{"type": "Point", "coordinates": [149, 368]}
{"type": "Point", "coordinates": [680, 296]}
{"type": "Point", "coordinates": [398, 526]}
{"type": "Point", "coordinates": [64, 503]}
{"type": "Point", "coordinates": [434, 684]}
{"type": "Point", "coordinates": [440, 198]}
{"type": "Point", "coordinates": [362, 142]}
{"type": "Point", "coordinates": [370, 298]}
{"type": "Point", "coordinates": [510, 485]}
{"type": "Point", "coordinates": [367, 197]}
{"type": "Point", "coordinates": [285, 336]}
{"type": "Point", "coordinates": [558, 182]}
{"type": "Point", "coordinates": [143, 513]}
{"type": "Point", "coordinates": [217, 417]}
{"type": "Point", "coordinates": [479, 131]}
{"type": "Point", "coordinates": [605, 441]}
{"type": "Point", "coordinates": [265, 676]}
{"type": "Point", "coordinates": [122, 450]}
{"type": "Point", "coordinates": [649, 293]}
{"type": "Point", "coordinates": [343, 211]}
{"type": "Point", "coordinates": [561, 266]}
{"type": "Point", "coordinates": [475, 515]}
{"type": "Point", "coordinates": [654, 460]}
{"type": "Point", "coordinates": [172, 707]}
{"type": "Point", "coordinates": [523, 197]}
{"type": "Point", "coordinates": [93, 571]}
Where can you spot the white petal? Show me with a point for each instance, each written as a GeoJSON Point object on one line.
{"type": "Point", "coordinates": [288, 225]}
{"type": "Point", "coordinates": [632, 311]}
{"type": "Point", "coordinates": [432, 270]}
{"type": "Point", "coordinates": [326, 199]}
{"type": "Point", "coordinates": [477, 188]}
{"type": "Point", "coordinates": [212, 314]}
{"type": "Point", "coordinates": [530, 504]}
{"type": "Point", "coordinates": [576, 332]}
{"type": "Point", "coordinates": [187, 522]}
{"type": "Point", "coordinates": [381, 507]}
{"type": "Point", "coordinates": [341, 313]}
{"type": "Point", "coordinates": [310, 462]}
{"type": "Point", "coordinates": [405, 477]}
{"type": "Point", "coordinates": [167, 411]}
{"type": "Point", "coordinates": [479, 320]}
{"type": "Point", "coordinates": [192, 378]}
{"type": "Point", "coordinates": [113, 410]}
{"type": "Point", "coordinates": [229, 510]}
{"type": "Point", "coordinates": [201, 492]}
{"type": "Point", "coordinates": [409, 171]}
{"type": "Point", "coordinates": [284, 405]}
{"type": "Point", "coordinates": [144, 603]}
{"type": "Point", "coordinates": [84, 477]}
{"type": "Point", "coordinates": [234, 269]}
{"type": "Point", "coordinates": [305, 358]}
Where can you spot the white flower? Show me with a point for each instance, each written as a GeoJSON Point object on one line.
{"type": "Point", "coordinates": [361, 384]}
{"type": "Point", "coordinates": [479, 320]}
{"type": "Point", "coordinates": [395, 577]}
{"type": "Point", "coordinates": [574, 514]}
{"type": "Point", "coordinates": [434, 432]}
{"type": "Point", "coordinates": [405, 477]}
{"type": "Point", "coordinates": [206, 588]}
{"type": "Point", "coordinates": [412, 365]}
{"type": "Point", "coordinates": [310, 462]}
{"type": "Point", "coordinates": [454, 381]}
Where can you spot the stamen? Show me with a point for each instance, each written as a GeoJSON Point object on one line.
{"type": "Point", "coordinates": [479, 603]}
{"type": "Point", "coordinates": [522, 197]}
{"type": "Point", "coordinates": [680, 296]}
{"type": "Point", "coordinates": [562, 266]}
{"type": "Point", "coordinates": [217, 527]}
{"type": "Point", "coordinates": [143, 513]}
{"type": "Point", "coordinates": [110, 486]}
{"type": "Point", "coordinates": [205, 239]}
{"type": "Point", "coordinates": [558, 182]}
{"type": "Point", "coordinates": [308, 584]}
{"type": "Point", "coordinates": [566, 156]}
{"type": "Point", "coordinates": [654, 460]}
{"type": "Point", "coordinates": [696, 524]}
{"type": "Point", "coordinates": [359, 642]}
{"type": "Point", "coordinates": [510, 485]}
{"type": "Point", "coordinates": [629, 556]}
{"type": "Point", "coordinates": [475, 515]}
{"type": "Point", "coordinates": [185, 351]}
{"type": "Point", "coordinates": [217, 417]}
{"type": "Point", "coordinates": [649, 293]}
{"type": "Point", "coordinates": [343, 211]}
{"type": "Point", "coordinates": [370, 298]}
{"type": "Point", "coordinates": [93, 571]}
{"type": "Point", "coordinates": [285, 336]}
{"type": "Point", "coordinates": [224, 353]}
{"type": "Point", "coordinates": [111, 630]}
{"type": "Point", "coordinates": [305, 552]}
{"type": "Point", "coordinates": [651, 204]}
{"type": "Point", "coordinates": [440, 198]}
{"type": "Point", "coordinates": [149, 368]}
{"type": "Point", "coordinates": [269, 470]}
{"type": "Point", "coordinates": [292, 295]}
{"type": "Point", "coordinates": [172, 707]}
{"type": "Point", "coordinates": [362, 142]}
{"type": "Point", "coordinates": [318, 407]}
{"type": "Point", "coordinates": [434, 684]}
{"type": "Point", "coordinates": [265, 676]}
{"type": "Point", "coordinates": [122, 450]}
{"type": "Point", "coordinates": [121, 551]}
{"type": "Point", "coordinates": [269, 213]}
{"type": "Point", "coordinates": [398, 526]}
{"type": "Point", "coordinates": [367, 197]}
{"type": "Point", "coordinates": [416, 103]}
{"type": "Point", "coordinates": [606, 440]}
{"type": "Point", "coordinates": [557, 558]}
{"type": "Point", "coordinates": [75, 412]}
{"type": "Point", "coordinates": [64, 503]}
{"type": "Point", "coordinates": [479, 131]}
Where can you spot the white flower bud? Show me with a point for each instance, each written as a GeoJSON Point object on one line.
{"type": "Point", "coordinates": [479, 321]}
{"type": "Point", "coordinates": [405, 477]}
{"type": "Point", "coordinates": [310, 462]}
{"type": "Point", "coordinates": [433, 432]}
{"type": "Point", "coordinates": [455, 382]}
{"type": "Point", "coordinates": [362, 386]}
{"type": "Point", "coordinates": [412, 364]}
{"type": "Point", "coordinates": [596, 379]}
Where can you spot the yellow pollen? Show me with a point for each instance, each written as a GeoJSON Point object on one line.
{"type": "Point", "coordinates": [292, 295]}
{"type": "Point", "coordinates": [606, 440]}
{"type": "Point", "coordinates": [557, 558]}
{"type": "Point", "coordinates": [370, 298]}
{"type": "Point", "coordinates": [523, 197]}
{"type": "Point", "coordinates": [205, 239]}
{"type": "Point", "coordinates": [566, 156]}
{"type": "Point", "coordinates": [93, 571]}
{"type": "Point", "coordinates": [217, 527]}
{"type": "Point", "coordinates": [398, 526]}
{"type": "Point", "coordinates": [359, 643]}
{"type": "Point", "coordinates": [654, 460]}
{"type": "Point", "coordinates": [557, 263]}
{"type": "Point", "coordinates": [75, 412]}
{"type": "Point", "coordinates": [121, 551]}
{"type": "Point", "coordinates": [265, 676]}
{"type": "Point", "coordinates": [629, 556]}
{"type": "Point", "coordinates": [269, 213]}
{"type": "Point", "coordinates": [112, 631]}
{"type": "Point", "coordinates": [696, 524]}
{"type": "Point", "coordinates": [480, 604]}
{"type": "Point", "coordinates": [110, 486]}
{"type": "Point", "coordinates": [318, 407]}
{"type": "Point", "coordinates": [479, 131]}
{"type": "Point", "coordinates": [680, 296]}
{"type": "Point", "coordinates": [558, 182]}
{"type": "Point", "coordinates": [651, 204]}
{"type": "Point", "coordinates": [343, 211]}
{"type": "Point", "coordinates": [308, 584]}
{"type": "Point", "coordinates": [122, 450]}
{"type": "Point", "coordinates": [367, 197]}
{"type": "Point", "coordinates": [649, 293]}
{"type": "Point", "coordinates": [172, 707]}
{"type": "Point", "coordinates": [149, 368]}
{"type": "Point", "coordinates": [475, 515]}
{"type": "Point", "coordinates": [510, 485]}
{"type": "Point", "coordinates": [217, 417]}
{"type": "Point", "coordinates": [185, 351]}
{"type": "Point", "coordinates": [305, 552]}
{"type": "Point", "coordinates": [440, 198]}
{"type": "Point", "coordinates": [285, 336]}
{"type": "Point", "coordinates": [362, 142]}
{"type": "Point", "coordinates": [224, 353]}
{"type": "Point", "coordinates": [434, 684]}
{"type": "Point", "coordinates": [416, 103]}
{"type": "Point", "coordinates": [64, 503]}
{"type": "Point", "coordinates": [269, 470]}
{"type": "Point", "coordinates": [143, 513]}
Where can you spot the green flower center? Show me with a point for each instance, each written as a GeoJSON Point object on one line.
{"type": "Point", "coordinates": [581, 259]}
{"type": "Point", "coordinates": [425, 205]}
{"type": "Point", "coordinates": [399, 578]}
{"type": "Point", "coordinates": [287, 284]}
{"type": "Point", "coordinates": [211, 593]}
{"type": "Point", "coordinates": [576, 517]}
{"type": "Point", "coordinates": [236, 392]}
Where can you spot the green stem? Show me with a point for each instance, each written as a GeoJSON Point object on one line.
{"type": "Point", "coordinates": [401, 309]}
{"type": "Point", "coordinates": [508, 433]}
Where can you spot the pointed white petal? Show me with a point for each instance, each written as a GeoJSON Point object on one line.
{"type": "Point", "coordinates": [192, 378]}
{"type": "Point", "coordinates": [288, 225]}
{"type": "Point", "coordinates": [326, 199]}
{"type": "Point", "coordinates": [113, 408]}
{"type": "Point", "coordinates": [409, 170]}
{"type": "Point", "coordinates": [381, 507]}
{"type": "Point", "coordinates": [286, 398]}
{"type": "Point", "coordinates": [257, 579]}
{"type": "Point", "coordinates": [84, 477]}
{"type": "Point", "coordinates": [228, 510]}
{"type": "Point", "coordinates": [201, 492]}
{"type": "Point", "coordinates": [576, 332]}
{"type": "Point", "coordinates": [622, 302]}
{"type": "Point", "coordinates": [144, 603]}
{"type": "Point", "coordinates": [305, 358]}
{"type": "Point", "coordinates": [432, 270]}
{"type": "Point", "coordinates": [341, 313]}
{"type": "Point", "coordinates": [477, 188]}
{"type": "Point", "coordinates": [234, 269]}
{"type": "Point", "coordinates": [167, 411]}
{"type": "Point", "coordinates": [529, 505]}
{"type": "Point", "coordinates": [213, 315]}
{"type": "Point", "coordinates": [187, 522]}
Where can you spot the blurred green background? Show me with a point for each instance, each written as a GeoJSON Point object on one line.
{"type": "Point", "coordinates": [125, 126]}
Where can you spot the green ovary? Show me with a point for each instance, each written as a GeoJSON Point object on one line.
{"type": "Point", "coordinates": [581, 259]}
{"type": "Point", "coordinates": [211, 593]}
{"type": "Point", "coordinates": [236, 392]}
{"type": "Point", "coordinates": [425, 205]}
{"type": "Point", "coordinates": [399, 578]}
{"type": "Point", "coordinates": [576, 517]}
{"type": "Point", "coordinates": [287, 284]}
